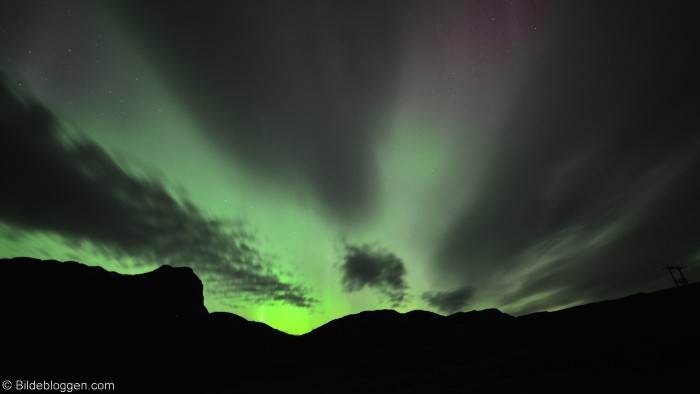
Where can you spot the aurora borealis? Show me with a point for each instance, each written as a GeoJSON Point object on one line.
{"type": "Point", "coordinates": [314, 159]}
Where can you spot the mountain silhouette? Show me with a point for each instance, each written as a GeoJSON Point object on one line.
{"type": "Point", "coordinates": [65, 321]}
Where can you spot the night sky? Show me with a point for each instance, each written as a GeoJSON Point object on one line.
{"type": "Point", "coordinates": [314, 159]}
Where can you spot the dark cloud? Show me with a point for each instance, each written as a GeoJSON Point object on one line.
{"type": "Point", "coordinates": [75, 189]}
{"type": "Point", "coordinates": [369, 266]}
{"type": "Point", "coordinates": [595, 183]}
{"type": "Point", "coordinates": [297, 93]}
{"type": "Point", "coordinates": [449, 301]}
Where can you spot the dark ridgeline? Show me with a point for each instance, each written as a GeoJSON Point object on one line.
{"type": "Point", "coordinates": [146, 333]}
{"type": "Point", "coordinates": [152, 333]}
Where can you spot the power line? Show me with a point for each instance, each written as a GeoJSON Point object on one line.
{"type": "Point", "coordinates": [679, 279]}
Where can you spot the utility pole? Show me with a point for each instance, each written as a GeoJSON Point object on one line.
{"type": "Point", "coordinates": [680, 280]}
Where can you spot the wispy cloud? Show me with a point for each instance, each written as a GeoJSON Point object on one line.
{"type": "Point", "coordinates": [73, 188]}
{"type": "Point", "coordinates": [449, 301]}
{"type": "Point", "coordinates": [369, 266]}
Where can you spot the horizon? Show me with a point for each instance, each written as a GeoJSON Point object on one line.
{"type": "Point", "coordinates": [314, 161]}
{"type": "Point", "coordinates": [441, 314]}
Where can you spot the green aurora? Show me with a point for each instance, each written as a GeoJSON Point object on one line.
{"type": "Point", "coordinates": [447, 132]}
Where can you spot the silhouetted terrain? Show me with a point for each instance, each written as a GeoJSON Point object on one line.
{"type": "Point", "coordinates": [152, 333]}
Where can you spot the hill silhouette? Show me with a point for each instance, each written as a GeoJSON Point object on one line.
{"type": "Point", "coordinates": [152, 333]}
